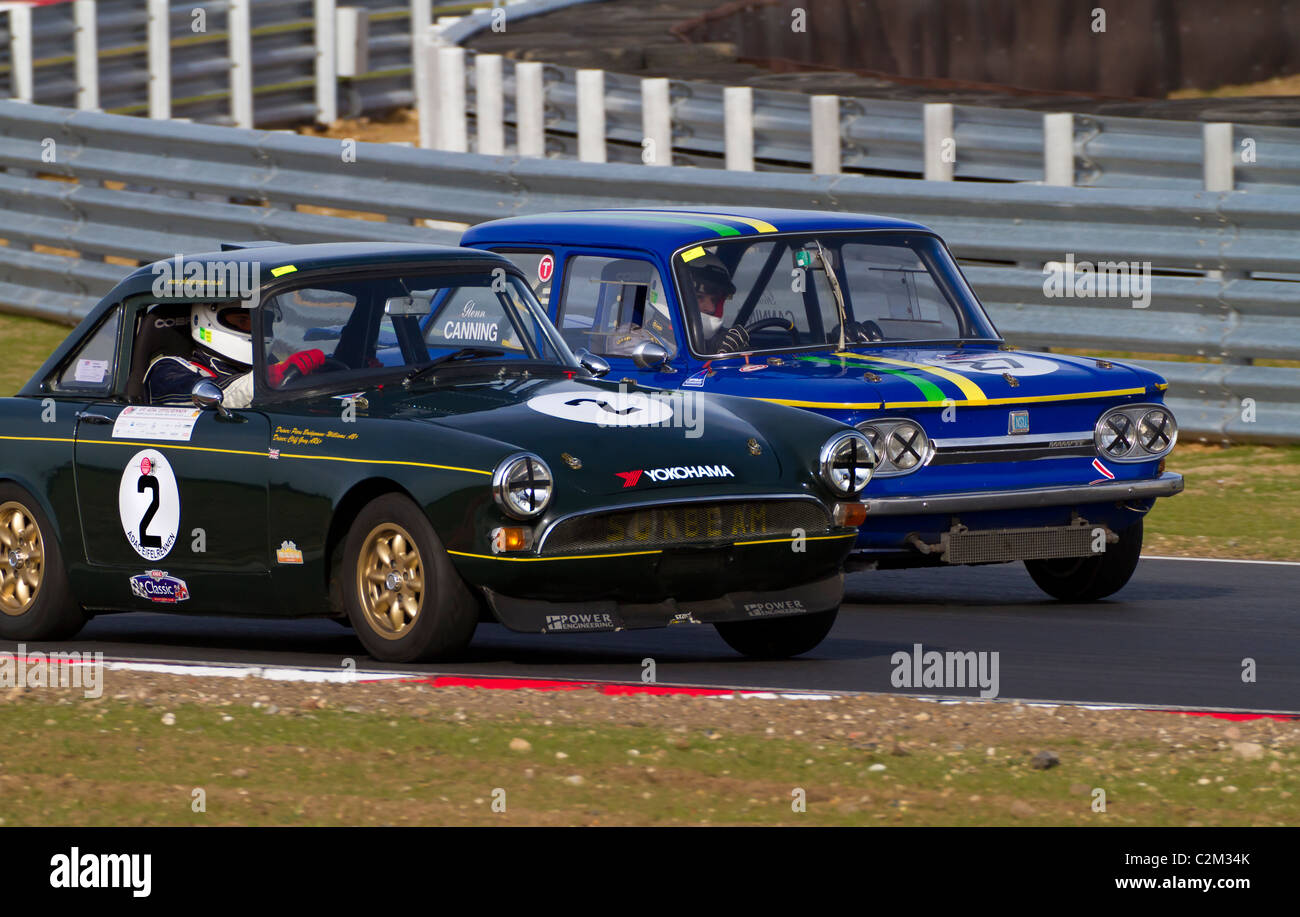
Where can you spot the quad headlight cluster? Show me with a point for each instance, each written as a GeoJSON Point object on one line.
{"type": "Point", "coordinates": [901, 445]}
{"type": "Point", "coordinates": [522, 485]}
{"type": "Point", "coordinates": [1135, 433]}
{"type": "Point", "coordinates": [847, 462]}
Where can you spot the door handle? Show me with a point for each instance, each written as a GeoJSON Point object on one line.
{"type": "Point", "coordinates": [94, 418]}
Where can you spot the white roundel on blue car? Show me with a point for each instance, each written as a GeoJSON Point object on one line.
{"type": "Point", "coordinates": [605, 409]}
{"type": "Point", "coordinates": [995, 363]}
{"type": "Point", "coordinates": [149, 504]}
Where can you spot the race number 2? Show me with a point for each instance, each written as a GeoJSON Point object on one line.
{"type": "Point", "coordinates": [149, 504]}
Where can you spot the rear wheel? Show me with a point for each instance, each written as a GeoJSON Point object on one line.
{"type": "Point", "coordinates": [403, 596]}
{"type": "Point", "coordinates": [36, 601]}
{"type": "Point", "coordinates": [778, 638]}
{"type": "Point", "coordinates": [1086, 579]}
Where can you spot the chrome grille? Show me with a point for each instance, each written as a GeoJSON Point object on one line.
{"type": "Point", "coordinates": [669, 524]}
{"type": "Point", "coordinates": [999, 545]}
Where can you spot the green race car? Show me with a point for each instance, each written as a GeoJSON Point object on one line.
{"type": "Point", "coordinates": [395, 436]}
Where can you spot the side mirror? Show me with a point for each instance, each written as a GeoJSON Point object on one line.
{"type": "Point", "coordinates": [649, 355]}
{"type": "Point", "coordinates": [597, 366]}
{"type": "Point", "coordinates": [208, 395]}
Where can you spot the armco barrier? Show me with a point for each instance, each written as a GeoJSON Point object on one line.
{"type": "Point", "coordinates": [879, 136]}
{"type": "Point", "coordinates": [143, 190]}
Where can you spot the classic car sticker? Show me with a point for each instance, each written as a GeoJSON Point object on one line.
{"type": "Point", "coordinates": [696, 252]}
{"type": "Point", "coordinates": [1107, 474]}
{"type": "Point", "coordinates": [146, 422]}
{"type": "Point", "coordinates": [158, 586]}
{"type": "Point", "coordinates": [697, 380]}
{"type": "Point", "coordinates": [753, 367]}
{"type": "Point", "coordinates": [675, 473]}
{"type": "Point", "coordinates": [149, 504]}
{"type": "Point", "coordinates": [91, 370]}
{"type": "Point", "coordinates": [545, 268]}
{"type": "Point", "coordinates": [283, 269]}
{"type": "Point", "coordinates": [288, 553]}
{"type": "Point", "coordinates": [608, 409]}
{"type": "Point", "coordinates": [593, 621]}
{"type": "Point", "coordinates": [996, 364]}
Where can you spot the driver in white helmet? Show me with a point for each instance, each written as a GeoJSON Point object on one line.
{"type": "Point", "coordinates": [223, 354]}
{"type": "Point", "coordinates": [712, 286]}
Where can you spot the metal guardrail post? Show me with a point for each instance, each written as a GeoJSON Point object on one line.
{"type": "Point", "coordinates": [591, 115]}
{"type": "Point", "coordinates": [426, 86]}
{"type": "Point", "coordinates": [421, 20]}
{"type": "Point", "coordinates": [824, 113]}
{"type": "Point", "coordinates": [738, 127]}
{"type": "Point", "coordinates": [1058, 149]}
{"type": "Point", "coordinates": [453, 135]}
{"type": "Point", "coordinates": [530, 109]}
{"type": "Point", "coordinates": [241, 62]}
{"type": "Point", "coordinates": [656, 122]}
{"type": "Point", "coordinates": [940, 144]}
{"type": "Point", "coordinates": [160, 60]}
{"type": "Point", "coordinates": [86, 50]}
{"type": "Point", "coordinates": [1216, 138]}
{"type": "Point", "coordinates": [489, 104]}
{"type": "Point", "coordinates": [326, 38]}
{"type": "Point", "coordinates": [22, 83]}
{"type": "Point", "coordinates": [352, 25]}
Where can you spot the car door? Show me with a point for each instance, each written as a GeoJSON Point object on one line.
{"type": "Point", "coordinates": [173, 505]}
{"type": "Point", "coordinates": [610, 303]}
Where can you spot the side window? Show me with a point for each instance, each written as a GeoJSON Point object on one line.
{"type": "Point", "coordinates": [539, 268]}
{"type": "Point", "coordinates": [612, 305]}
{"type": "Point", "coordinates": [471, 317]}
{"type": "Point", "coordinates": [91, 369]}
{"type": "Point", "coordinates": [307, 319]}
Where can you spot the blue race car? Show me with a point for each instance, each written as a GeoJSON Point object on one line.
{"type": "Point", "coordinates": [987, 453]}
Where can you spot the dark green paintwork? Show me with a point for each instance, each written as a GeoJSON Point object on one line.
{"type": "Point", "coordinates": [249, 504]}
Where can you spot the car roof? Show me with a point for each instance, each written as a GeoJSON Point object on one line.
{"type": "Point", "coordinates": [276, 260]}
{"type": "Point", "coordinates": [668, 228]}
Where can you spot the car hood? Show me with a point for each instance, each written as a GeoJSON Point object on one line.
{"type": "Point", "coordinates": [601, 438]}
{"type": "Point", "coordinates": [894, 377]}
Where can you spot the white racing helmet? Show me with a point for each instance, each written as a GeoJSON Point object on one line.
{"type": "Point", "coordinates": [225, 328]}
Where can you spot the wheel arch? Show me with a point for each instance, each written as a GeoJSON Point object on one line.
{"type": "Point", "coordinates": [43, 501]}
{"type": "Point", "coordinates": [345, 510]}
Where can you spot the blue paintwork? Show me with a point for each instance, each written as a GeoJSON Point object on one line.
{"type": "Point", "coordinates": [836, 385]}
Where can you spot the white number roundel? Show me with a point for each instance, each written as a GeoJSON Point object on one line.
{"type": "Point", "coordinates": [149, 504]}
{"type": "Point", "coordinates": [606, 409]}
{"type": "Point", "coordinates": [996, 363]}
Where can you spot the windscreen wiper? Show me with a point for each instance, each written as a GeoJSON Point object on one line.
{"type": "Point", "coordinates": [465, 353]}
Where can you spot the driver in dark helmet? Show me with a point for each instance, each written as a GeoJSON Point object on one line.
{"type": "Point", "coordinates": [223, 354]}
{"type": "Point", "coordinates": [711, 282]}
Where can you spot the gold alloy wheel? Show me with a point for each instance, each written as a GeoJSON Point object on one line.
{"type": "Point", "coordinates": [22, 559]}
{"type": "Point", "coordinates": [390, 580]}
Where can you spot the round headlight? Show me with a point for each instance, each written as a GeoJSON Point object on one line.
{"type": "Point", "coordinates": [522, 485]}
{"type": "Point", "coordinates": [1157, 431]}
{"type": "Point", "coordinates": [906, 445]}
{"type": "Point", "coordinates": [847, 461]}
{"type": "Point", "coordinates": [1114, 435]}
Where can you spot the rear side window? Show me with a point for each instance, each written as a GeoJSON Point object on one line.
{"type": "Point", "coordinates": [92, 367]}
{"type": "Point", "coordinates": [539, 268]}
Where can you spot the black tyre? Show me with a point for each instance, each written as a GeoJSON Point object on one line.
{"type": "Point", "coordinates": [36, 600]}
{"type": "Point", "coordinates": [778, 638]}
{"type": "Point", "coordinates": [404, 598]}
{"type": "Point", "coordinates": [1087, 579]}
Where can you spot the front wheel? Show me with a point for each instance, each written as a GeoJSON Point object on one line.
{"type": "Point", "coordinates": [404, 598]}
{"type": "Point", "coordinates": [36, 601]}
{"type": "Point", "coordinates": [778, 638]}
{"type": "Point", "coordinates": [1087, 579]}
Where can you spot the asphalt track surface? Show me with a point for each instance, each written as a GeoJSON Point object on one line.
{"type": "Point", "coordinates": [1177, 635]}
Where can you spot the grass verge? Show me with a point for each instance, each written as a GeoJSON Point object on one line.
{"type": "Point", "coordinates": [406, 754]}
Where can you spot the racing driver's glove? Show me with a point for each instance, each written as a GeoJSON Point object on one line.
{"type": "Point", "coordinates": [305, 361]}
{"type": "Point", "coordinates": [736, 339]}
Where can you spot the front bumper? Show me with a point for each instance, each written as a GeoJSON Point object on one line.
{"type": "Point", "coordinates": [537, 616]}
{"type": "Point", "coordinates": [1166, 485]}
